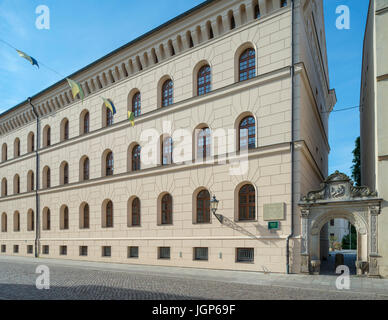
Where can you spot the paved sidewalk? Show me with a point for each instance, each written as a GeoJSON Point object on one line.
{"type": "Point", "coordinates": [359, 285]}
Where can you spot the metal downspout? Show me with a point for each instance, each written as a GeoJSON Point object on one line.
{"type": "Point", "coordinates": [292, 136]}
{"type": "Point", "coordinates": [37, 220]}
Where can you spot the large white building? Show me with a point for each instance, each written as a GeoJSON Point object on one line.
{"type": "Point", "coordinates": [75, 183]}
{"type": "Point", "coordinates": [374, 116]}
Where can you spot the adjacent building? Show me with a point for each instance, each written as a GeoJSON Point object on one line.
{"type": "Point", "coordinates": [235, 82]}
{"type": "Point", "coordinates": [338, 229]}
{"type": "Point", "coordinates": [374, 117]}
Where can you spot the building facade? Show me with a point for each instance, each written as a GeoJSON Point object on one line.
{"type": "Point", "coordinates": [338, 229]}
{"type": "Point", "coordinates": [374, 115]}
{"type": "Point", "coordinates": [240, 84]}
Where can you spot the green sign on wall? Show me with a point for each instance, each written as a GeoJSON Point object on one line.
{"type": "Point", "coordinates": [273, 225]}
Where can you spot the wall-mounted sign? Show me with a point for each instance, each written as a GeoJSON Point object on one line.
{"type": "Point", "coordinates": [273, 225]}
{"type": "Point", "coordinates": [274, 211]}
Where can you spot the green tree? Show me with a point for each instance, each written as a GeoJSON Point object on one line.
{"type": "Point", "coordinates": [346, 240]}
{"type": "Point", "coordinates": [356, 168]}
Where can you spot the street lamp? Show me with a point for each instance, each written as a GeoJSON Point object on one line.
{"type": "Point", "coordinates": [214, 204]}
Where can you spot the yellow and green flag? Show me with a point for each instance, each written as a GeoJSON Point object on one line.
{"type": "Point", "coordinates": [27, 57]}
{"type": "Point", "coordinates": [131, 118]}
{"type": "Point", "coordinates": [76, 89]}
{"type": "Point", "coordinates": [109, 104]}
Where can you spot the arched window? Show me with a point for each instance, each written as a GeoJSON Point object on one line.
{"type": "Point", "coordinates": [46, 136]}
{"type": "Point", "coordinates": [135, 212]}
{"type": "Point", "coordinates": [16, 184]}
{"type": "Point", "coordinates": [16, 148]}
{"type": "Point", "coordinates": [204, 80]}
{"type": "Point", "coordinates": [85, 169]}
{"type": "Point", "coordinates": [247, 133]}
{"type": "Point", "coordinates": [4, 187]}
{"type": "Point", "coordinates": [30, 142]}
{"type": "Point", "coordinates": [247, 203]}
{"type": "Point", "coordinates": [203, 143]}
{"type": "Point", "coordinates": [4, 225]}
{"type": "Point", "coordinates": [30, 220]}
{"type": "Point", "coordinates": [16, 221]}
{"type": "Point", "coordinates": [136, 158]}
{"type": "Point", "coordinates": [247, 65]}
{"type": "Point", "coordinates": [85, 124]}
{"type": "Point", "coordinates": [64, 223]}
{"type": "Point", "coordinates": [136, 104]}
{"type": "Point", "coordinates": [46, 177]}
{"type": "Point", "coordinates": [108, 215]}
{"type": "Point", "coordinates": [85, 217]}
{"type": "Point", "coordinates": [166, 209]}
{"type": "Point", "coordinates": [64, 173]}
{"type": "Point", "coordinates": [167, 93]}
{"type": "Point", "coordinates": [4, 155]}
{"type": "Point", "coordinates": [232, 22]}
{"type": "Point", "coordinates": [30, 181]}
{"type": "Point", "coordinates": [257, 11]}
{"type": "Point", "coordinates": [166, 151]}
{"type": "Point", "coordinates": [46, 219]}
{"type": "Point", "coordinates": [109, 164]}
{"type": "Point", "coordinates": [109, 118]}
{"type": "Point", "coordinates": [64, 130]}
{"type": "Point", "coordinates": [203, 207]}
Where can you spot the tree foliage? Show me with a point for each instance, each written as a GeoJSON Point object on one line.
{"type": "Point", "coordinates": [356, 168]}
{"type": "Point", "coordinates": [346, 240]}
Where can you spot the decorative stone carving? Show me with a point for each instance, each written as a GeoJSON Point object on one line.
{"type": "Point", "coordinates": [305, 213]}
{"type": "Point", "coordinates": [337, 191]}
{"type": "Point", "coordinates": [362, 267]}
{"type": "Point", "coordinates": [315, 267]}
{"type": "Point", "coordinates": [362, 192]}
{"type": "Point", "coordinates": [338, 186]}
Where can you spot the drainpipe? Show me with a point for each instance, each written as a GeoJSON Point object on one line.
{"type": "Point", "coordinates": [292, 136]}
{"type": "Point", "coordinates": [37, 222]}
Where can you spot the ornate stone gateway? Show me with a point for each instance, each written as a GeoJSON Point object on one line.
{"type": "Point", "coordinates": [338, 198]}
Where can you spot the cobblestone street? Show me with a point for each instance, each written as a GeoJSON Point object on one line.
{"type": "Point", "coordinates": [88, 280]}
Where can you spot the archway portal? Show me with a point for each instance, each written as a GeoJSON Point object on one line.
{"type": "Point", "coordinates": [338, 246]}
{"type": "Point", "coordinates": [354, 210]}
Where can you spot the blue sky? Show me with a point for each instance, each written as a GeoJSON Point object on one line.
{"type": "Point", "coordinates": [83, 31]}
{"type": "Point", "coordinates": [344, 49]}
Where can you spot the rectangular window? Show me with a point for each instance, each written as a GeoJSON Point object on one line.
{"type": "Point", "coordinates": [133, 252]}
{"type": "Point", "coordinates": [3, 248]}
{"type": "Point", "coordinates": [46, 249]}
{"type": "Point", "coordinates": [164, 253]}
{"type": "Point", "coordinates": [63, 250]}
{"type": "Point", "coordinates": [15, 248]}
{"type": "Point", "coordinates": [245, 255]}
{"type": "Point", "coordinates": [332, 222]}
{"type": "Point", "coordinates": [30, 249]}
{"type": "Point", "coordinates": [106, 251]}
{"type": "Point", "coordinates": [83, 251]}
{"type": "Point", "coordinates": [201, 254]}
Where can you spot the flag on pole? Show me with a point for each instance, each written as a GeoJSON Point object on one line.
{"type": "Point", "coordinates": [109, 104]}
{"type": "Point", "coordinates": [76, 89]}
{"type": "Point", "coordinates": [131, 118]}
{"type": "Point", "coordinates": [27, 57]}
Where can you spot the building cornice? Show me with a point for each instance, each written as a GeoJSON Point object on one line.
{"type": "Point", "coordinates": [157, 113]}
{"type": "Point", "coordinates": [122, 63]}
{"type": "Point", "coordinates": [218, 160]}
